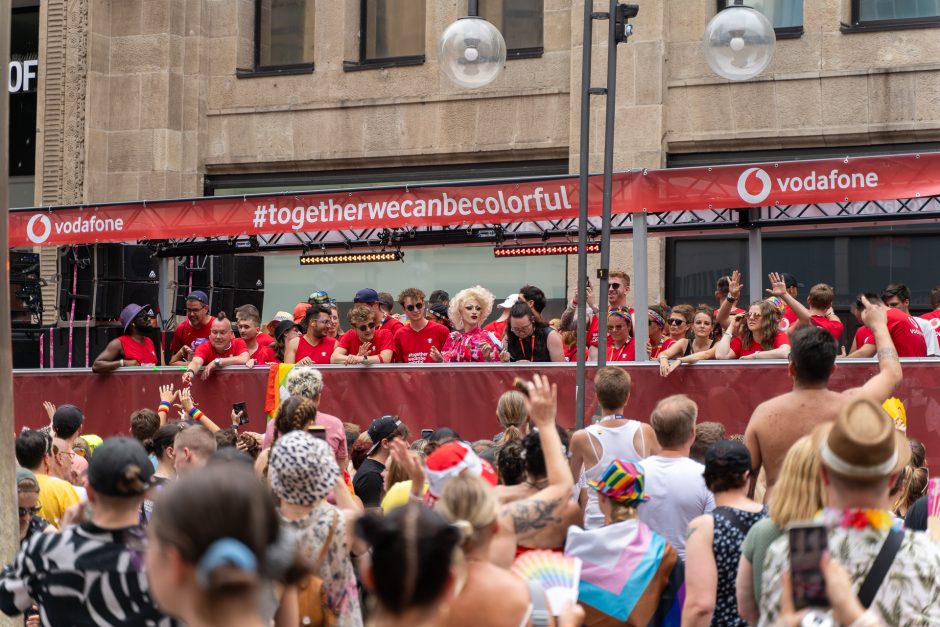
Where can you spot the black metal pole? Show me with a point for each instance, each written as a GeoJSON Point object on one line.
{"type": "Point", "coordinates": [473, 7]}
{"type": "Point", "coordinates": [586, 45]}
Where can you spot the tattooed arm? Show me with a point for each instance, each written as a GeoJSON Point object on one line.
{"type": "Point", "coordinates": [883, 384]}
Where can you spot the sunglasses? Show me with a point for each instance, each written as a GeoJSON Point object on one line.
{"type": "Point", "coordinates": [614, 286]}
{"type": "Point", "coordinates": [327, 323]}
{"type": "Point", "coordinates": [418, 306]}
{"type": "Point", "coordinates": [674, 322]}
{"type": "Point", "coordinates": [473, 308]}
{"type": "Point", "coordinates": [754, 316]}
{"type": "Point", "coordinates": [364, 327]}
{"type": "Point", "coordinates": [28, 511]}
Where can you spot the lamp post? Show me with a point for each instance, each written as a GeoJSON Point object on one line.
{"type": "Point", "coordinates": [471, 51]}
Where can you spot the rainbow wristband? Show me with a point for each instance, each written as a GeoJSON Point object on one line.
{"type": "Point", "coordinates": [164, 407]}
{"type": "Point", "coordinates": [196, 414]}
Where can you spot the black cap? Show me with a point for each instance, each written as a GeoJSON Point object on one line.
{"type": "Point", "coordinates": [439, 310]}
{"type": "Point", "coordinates": [789, 280]}
{"type": "Point", "coordinates": [198, 295]}
{"type": "Point", "coordinates": [283, 327]}
{"type": "Point", "coordinates": [66, 420]}
{"type": "Point", "coordinates": [444, 433]}
{"type": "Point", "coordinates": [727, 457]}
{"type": "Point", "coordinates": [382, 428]}
{"type": "Point", "coordinates": [120, 467]}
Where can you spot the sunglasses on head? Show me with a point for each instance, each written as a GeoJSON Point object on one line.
{"type": "Point", "coordinates": [364, 327]}
{"type": "Point", "coordinates": [614, 286]}
{"type": "Point", "coordinates": [473, 308]}
{"type": "Point", "coordinates": [419, 306]}
{"type": "Point", "coordinates": [676, 322]}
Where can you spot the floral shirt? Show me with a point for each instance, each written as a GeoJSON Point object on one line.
{"type": "Point", "coordinates": [908, 596]}
{"type": "Point", "coordinates": [466, 346]}
{"type": "Point", "coordinates": [339, 579]}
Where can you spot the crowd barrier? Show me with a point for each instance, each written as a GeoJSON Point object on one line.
{"type": "Point", "coordinates": [462, 397]}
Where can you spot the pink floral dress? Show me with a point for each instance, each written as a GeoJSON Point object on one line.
{"type": "Point", "coordinates": [465, 347]}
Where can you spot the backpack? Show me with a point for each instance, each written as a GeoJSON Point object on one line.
{"type": "Point", "coordinates": [312, 605]}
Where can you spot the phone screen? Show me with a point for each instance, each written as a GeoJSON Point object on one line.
{"type": "Point", "coordinates": [317, 432]}
{"type": "Point", "coordinates": [243, 408]}
{"type": "Point", "coordinates": [807, 543]}
{"type": "Point", "coordinates": [426, 433]}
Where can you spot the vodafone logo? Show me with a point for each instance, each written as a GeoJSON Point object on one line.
{"type": "Point", "coordinates": [764, 192]}
{"type": "Point", "coordinates": [45, 228]}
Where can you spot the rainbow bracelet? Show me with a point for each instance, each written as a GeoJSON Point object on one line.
{"type": "Point", "coordinates": [196, 414]}
{"type": "Point", "coordinates": [164, 407]}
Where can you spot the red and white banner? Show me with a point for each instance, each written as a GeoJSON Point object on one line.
{"type": "Point", "coordinates": [650, 191]}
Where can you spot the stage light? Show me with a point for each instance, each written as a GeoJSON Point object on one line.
{"type": "Point", "coordinates": [536, 250]}
{"type": "Point", "coordinates": [371, 257]}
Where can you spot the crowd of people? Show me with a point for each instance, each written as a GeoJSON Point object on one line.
{"type": "Point", "coordinates": [457, 330]}
{"type": "Point", "coordinates": [319, 522]}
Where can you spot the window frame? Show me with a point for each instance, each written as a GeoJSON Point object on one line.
{"type": "Point", "coordinates": [871, 26]}
{"type": "Point", "coordinates": [269, 70]}
{"type": "Point", "coordinates": [371, 64]}
{"type": "Point", "coordinates": [781, 32]}
{"type": "Point", "coordinates": [530, 52]}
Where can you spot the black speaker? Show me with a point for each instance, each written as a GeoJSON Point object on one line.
{"type": "Point", "coordinates": [249, 272]}
{"type": "Point", "coordinates": [138, 264]}
{"type": "Point", "coordinates": [222, 299]}
{"type": "Point", "coordinates": [223, 271]}
{"type": "Point", "coordinates": [25, 348]}
{"type": "Point", "coordinates": [98, 338]}
{"type": "Point", "coordinates": [25, 290]}
{"type": "Point", "coordinates": [249, 297]}
{"type": "Point", "coordinates": [107, 297]}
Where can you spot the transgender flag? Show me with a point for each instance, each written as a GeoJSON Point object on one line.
{"type": "Point", "coordinates": [629, 575]}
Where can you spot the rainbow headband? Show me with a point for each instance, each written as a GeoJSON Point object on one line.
{"type": "Point", "coordinates": [655, 317]}
{"type": "Point", "coordinates": [621, 312]}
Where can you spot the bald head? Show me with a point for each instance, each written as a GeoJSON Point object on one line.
{"type": "Point", "coordinates": [673, 421]}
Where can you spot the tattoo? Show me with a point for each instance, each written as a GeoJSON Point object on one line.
{"type": "Point", "coordinates": [689, 532]}
{"type": "Point", "coordinates": [887, 353]}
{"type": "Point", "coordinates": [533, 514]}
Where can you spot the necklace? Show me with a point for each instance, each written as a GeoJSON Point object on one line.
{"type": "Point", "coordinates": [877, 519]}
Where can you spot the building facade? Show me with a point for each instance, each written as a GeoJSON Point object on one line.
{"type": "Point", "coordinates": [150, 99]}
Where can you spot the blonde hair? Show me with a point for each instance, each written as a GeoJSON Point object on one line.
{"type": "Point", "coordinates": [478, 293]}
{"type": "Point", "coordinates": [470, 504]}
{"type": "Point", "coordinates": [798, 493]}
{"type": "Point", "coordinates": [512, 415]}
{"type": "Point", "coordinates": [619, 512]}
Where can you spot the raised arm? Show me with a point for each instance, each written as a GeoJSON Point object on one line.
{"type": "Point", "coordinates": [722, 318]}
{"type": "Point", "coordinates": [778, 287]}
{"type": "Point", "coordinates": [883, 384]}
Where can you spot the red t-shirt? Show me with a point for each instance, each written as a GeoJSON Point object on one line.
{"type": "Point", "coordinates": [143, 353]}
{"type": "Point", "coordinates": [933, 318]}
{"type": "Point", "coordinates": [391, 324]}
{"type": "Point", "coordinates": [788, 319]}
{"type": "Point", "coordinates": [264, 339]}
{"type": "Point", "coordinates": [208, 352]}
{"type": "Point", "coordinates": [264, 355]}
{"type": "Point", "coordinates": [833, 326]}
{"type": "Point", "coordinates": [185, 334]}
{"type": "Point", "coordinates": [739, 350]}
{"type": "Point", "coordinates": [664, 343]}
{"type": "Point", "coordinates": [414, 347]}
{"type": "Point", "coordinates": [382, 340]}
{"type": "Point", "coordinates": [627, 352]}
{"type": "Point", "coordinates": [497, 328]}
{"type": "Point", "coordinates": [863, 335]}
{"type": "Point", "coordinates": [320, 354]}
{"type": "Point", "coordinates": [734, 311]}
{"type": "Point", "coordinates": [594, 332]}
{"type": "Point", "coordinates": [906, 334]}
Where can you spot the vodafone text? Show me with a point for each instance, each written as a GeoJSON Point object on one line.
{"type": "Point", "coordinates": [833, 180]}
{"type": "Point", "coordinates": [328, 211]}
{"type": "Point", "coordinates": [40, 227]}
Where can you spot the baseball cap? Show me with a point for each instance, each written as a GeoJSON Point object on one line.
{"type": "Point", "coordinates": [200, 296]}
{"type": "Point", "coordinates": [439, 310]}
{"type": "Point", "coordinates": [130, 312]}
{"type": "Point", "coordinates": [300, 311]}
{"type": "Point", "coordinates": [451, 460]}
{"type": "Point", "coordinates": [67, 418]}
{"type": "Point", "coordinates": [789, 280]}
{"type": "Point", "coordinates": [120, 467]}
{"type": "Point", "coordinates": [382, 428]}
{"type": "Point", "coordinates": [727, 457]}
{"type": "Point", "coordinates": [386, 300]}
{"type": "Point", "coordinates": [283, 327]}
{"type": "Point", "coordinates": [366, 295]}
{"type": "Point", "coordinates": [320, 298]}
{"type": "Point", "coordinates": [511, 300]}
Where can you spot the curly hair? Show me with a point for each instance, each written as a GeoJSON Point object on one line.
{"type": "Point", "coordinates": [304, 381]}
{"type": "Point", "coordinates": [482, 296]}
{"type": "Point", "coordinates": [361, 313]}
{"type": "Point", "coordinates": [413, 293]}
{"type": "Point", "coordinates": [770, 320]}
{"type": "Point", "coordinates": [252, 448]}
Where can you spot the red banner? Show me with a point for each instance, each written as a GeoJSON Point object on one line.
{"type": "Point", "coordinates": [650, 191]}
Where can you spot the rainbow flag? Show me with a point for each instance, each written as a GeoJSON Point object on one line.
{"type": "Point", "coordinates": [629, 573]}
{"type": "Point", "coordinates": [276, 391]}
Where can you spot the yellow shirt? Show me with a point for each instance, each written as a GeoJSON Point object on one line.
{"type": "Point", "coordinates": [398, 495]}
{"type": "Point", "coordinates": [55, 496]}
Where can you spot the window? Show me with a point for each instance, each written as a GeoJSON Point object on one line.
{"type": "Point", "coordinates": [890, 14]}
{"type": "Point", "coordinates": [785, 15]}
{"type": "Point", "coordinates": [392, 30]}
{"type": "Point", "coordinates": [520, 22]}
{"type": "Point", "coordinates": [284, 34]}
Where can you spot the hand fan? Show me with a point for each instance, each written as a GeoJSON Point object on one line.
{"type": "Point", "coordinates": [558, 574]}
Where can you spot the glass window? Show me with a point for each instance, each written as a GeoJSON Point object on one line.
{"type": "Point", "coordinates": [284, 32]}
{"type": "Point", "coordinates": [782, 13]}
{"type": "Point", "coordinates": [888, 10]}
{"type": "Point", "coordinates": [520, 22]}
{"type": "Point", "coordinates": [392, 29]}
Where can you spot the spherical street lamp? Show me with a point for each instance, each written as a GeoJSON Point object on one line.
{"type": "Point", "coordinates": [471, 52]}
{"type": "Point", "coordinates": [739, 42]}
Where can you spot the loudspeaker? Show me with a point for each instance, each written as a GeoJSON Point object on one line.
{"type": "Point", "coordinates": [98, 338]}
{"type": "Point", "coordinates": [107, 297]}
{"type": "Point", "coordinates": [25, 349]}
{"type": "Point", "coordinates": [249, 273]}
{"type": "Point", "coordinates": [110, 262]}
{"type": "Point", "coordinates": [222, 299]}
{"type": "Point", "coordinates": [249, 297]}
{"type": "Point", "coordinates": [25, 290]}
{"type": "Point", "coordinates": [223, 271]}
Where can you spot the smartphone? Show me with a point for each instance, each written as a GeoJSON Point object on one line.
{"type": "Point", "coordinates": [317, 431]}
{"type": "Point", "coordinates": [807, 543]}
{"type": "Point", "coordinates": [426, 433]}
{"type": "Point", "coordinates": [243, 408]}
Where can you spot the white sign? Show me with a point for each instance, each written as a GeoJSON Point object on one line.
{"type": "Point", "coordinates": [22, 76]}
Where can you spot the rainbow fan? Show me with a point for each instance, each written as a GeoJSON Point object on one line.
{"type": "Point", "coordinates": [933, 508]}
{"type": "Point", "coordinates": [558, 574]}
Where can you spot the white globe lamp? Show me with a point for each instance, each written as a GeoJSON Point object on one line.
{"type": "Point", "coordinates": [739, 43]}
{"type": "Point", "coordinates": [471, 52]}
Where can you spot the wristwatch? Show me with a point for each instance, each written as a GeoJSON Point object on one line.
{"type": "Point", "coordinates": [731, 299]}
{"type": "Point", "coordinates": [218, 362]}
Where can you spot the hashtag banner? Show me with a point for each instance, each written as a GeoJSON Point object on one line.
{"type": "Point", "coordinates": [647, 191]}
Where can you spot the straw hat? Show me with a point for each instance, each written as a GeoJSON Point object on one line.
{"type": "Point", "coordinates": [862, 443]}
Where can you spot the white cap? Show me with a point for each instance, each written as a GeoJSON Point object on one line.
{"type": "Point", "coordinates": [511, 300]}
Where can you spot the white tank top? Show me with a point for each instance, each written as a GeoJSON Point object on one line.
{"type": "Point", "coordinates": [615, 443]}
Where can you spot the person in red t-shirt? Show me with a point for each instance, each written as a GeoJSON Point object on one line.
{"type": "Point", "coordinates": [315, 346]}
{"type": "Point", "coordinates": [363, 343]}
{"type": "Point", "coordinates": [820, 312]}
{"type": "Point", "coordinates": [727, 293]}
{"type": "Point", "coordinates": [658, 340]}
{"type": "Point", "coordinates": [621, 346]}
{"type": "Point", "coordinates": [413, 342]}
{"type": "Point", "coordinates": [262, 338]}
{"type": "Point", "coordinates": [223, 349]}
{"type": "Point", "coordinates": [249, 330]}
{"type": "Point", "coordinates": [132, 348]}
{"type": "Point", "coordinates": [193, 330]}
{"type": "Point", "coordinates": [386, 320]}
{"type": "Point", "coordinates": [498, 326]}
{"type": "Point", "coordinates": [756, 336]}
{"type": "Point", "coordinates": [905, 331]}
{"type": "Point", "coordinates": [789, 317]}
{"type": "Point", "coordinates": [933, 316]}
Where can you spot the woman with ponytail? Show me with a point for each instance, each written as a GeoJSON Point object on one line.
{"type": "Point", "coordinates": [512, 416]}
{"type": "Point", "coordinates": [161, 447]}
{"type": "Point", "coordinates": [215, 540]}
